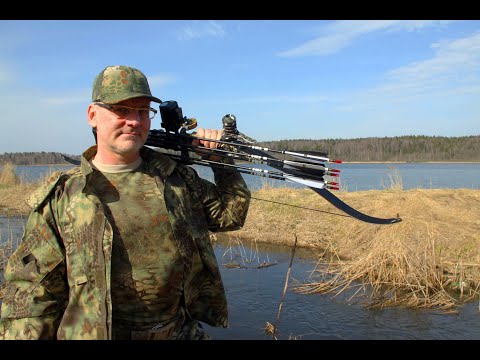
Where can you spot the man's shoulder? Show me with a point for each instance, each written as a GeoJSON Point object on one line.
{"type": "Point", "coordinates": [159, 162]}
{"type": "Point", "coordinates": [56, 178]}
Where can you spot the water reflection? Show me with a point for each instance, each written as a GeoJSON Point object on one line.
{"type": "Point", "coordinates": [254, 297]}
{"type": "Point", "coordinates": [11, 228]}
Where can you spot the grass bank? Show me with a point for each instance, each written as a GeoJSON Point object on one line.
{"type": "Point", "coordinates": [431, 259]}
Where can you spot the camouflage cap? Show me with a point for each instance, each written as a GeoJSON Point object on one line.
{"type": "Point", "coordinates": [118, 83]}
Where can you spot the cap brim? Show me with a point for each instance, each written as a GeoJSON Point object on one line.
{"type": "Point", "coordinates": [132, 96]}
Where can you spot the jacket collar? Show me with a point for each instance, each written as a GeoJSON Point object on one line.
{"type": "Point", "coordinates": [155, 161]}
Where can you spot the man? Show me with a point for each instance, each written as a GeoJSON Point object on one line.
{"type": "Point", "coordinates": [118, 247]}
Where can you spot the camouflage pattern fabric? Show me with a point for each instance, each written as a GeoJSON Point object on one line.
{"type": "Point", "coordinates": [147, 269]}
{"type": "Point", "coordinates": [118, 83]}
{"type": "Point", "coordinates": [58, 281]}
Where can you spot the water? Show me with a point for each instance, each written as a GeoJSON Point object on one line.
{"type": "Point", "coordinates": [11, 228]}
{"type": "Point", "coordinates": [37, 172]}
{"type": "Point", "coordinates": [357, 177]}
{"type": "Point", "coordinates": [254, 295]}
{"type": "Point", "coordinates": [353, 177]}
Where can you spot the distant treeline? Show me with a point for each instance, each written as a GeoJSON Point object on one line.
{"type": "Point", "coordinates": [34, 158]}
{"type": "Point", "coordinates": [399, 148]}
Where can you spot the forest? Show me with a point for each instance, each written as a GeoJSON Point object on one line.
{"type": "Point", "coordinates": [385, 149]}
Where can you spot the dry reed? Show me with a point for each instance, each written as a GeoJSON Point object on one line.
{"type": "Point", "coordinates": [409, 263]}
{"type": "Point", "coordinates": [429, 260]}
{"type": "Point", "coordinates": [275, 326]}
{"type": "Point", "coordinates": [8, 175]}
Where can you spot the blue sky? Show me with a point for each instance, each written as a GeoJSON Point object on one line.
{"type": "Point", "coordinates": [283, 79]}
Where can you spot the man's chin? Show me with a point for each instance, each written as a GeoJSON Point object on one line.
{"type": "Point", "coordinates": [130, 146]}
{"type": "Point", "coordinates": [132, 137]}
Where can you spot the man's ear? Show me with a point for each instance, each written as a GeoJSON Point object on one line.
{"type": "Point", "coordinates": [92, 116]}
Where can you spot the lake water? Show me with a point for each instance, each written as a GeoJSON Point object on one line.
{"type": "Point", "coordinates": [254, 297]}
{"type": "Point", "coordinates": [254, 294]}
{"type": "Point", "coordinates": [353, 177]}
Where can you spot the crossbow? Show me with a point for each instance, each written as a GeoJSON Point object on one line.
{"type": "Point", "coordinates": [307, 168]}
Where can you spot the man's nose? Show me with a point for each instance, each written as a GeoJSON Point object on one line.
{"type": "Point", "coordinates": [134, 118]}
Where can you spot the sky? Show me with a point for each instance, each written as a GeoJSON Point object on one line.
{"type": "Point", "coordinates": [282, 79]}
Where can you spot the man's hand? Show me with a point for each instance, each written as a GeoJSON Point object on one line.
{"type": "Point", "coordinates": [207, 134]}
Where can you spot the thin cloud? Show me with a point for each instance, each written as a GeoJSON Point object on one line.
{"type": "Point", "coordinates": [160, 80]}
{"type": "Point", "coordinates": [452, 57]}
{"type": "Point", "coordinates": [80, 98]}
{"type": "Point", "coordinates": [456, 63]}
{"type": "Point", "coordinates": [84, 95]}
{"type": "Point", "coordinates": [5, 73]}
{"type": "Point", "coordinates": [313, 99]}
{"type": "Point", "coordinates": [340, 34]}
{"type": "Point", "coordinates": [454, 69]}
{"type": "Point", "coordinates": [281, 99]}
{"type": "Point", "coordinates": [201, 29]}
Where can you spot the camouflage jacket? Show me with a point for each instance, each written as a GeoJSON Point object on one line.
{"type": "Point", "coordinates": [58, 279]}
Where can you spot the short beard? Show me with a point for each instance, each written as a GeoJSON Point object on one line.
{"type": "Point", "coordinates": [123, 150]}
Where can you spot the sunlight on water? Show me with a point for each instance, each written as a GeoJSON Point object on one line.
{"type": "Point", "coordinates": [353, 177]}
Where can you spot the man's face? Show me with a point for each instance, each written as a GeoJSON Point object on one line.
{"type": "Point", "coordinates": [121, 131]}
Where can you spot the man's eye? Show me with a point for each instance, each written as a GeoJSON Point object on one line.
{"type": "Point", "coordinates": [122, 112]}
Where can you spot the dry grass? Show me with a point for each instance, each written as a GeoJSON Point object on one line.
{"type": "Point", "coordinates": [13, 199]}
{"type": "Point", "coordinates": [430, 259]}
{"type": "Point", "coordinates": [236, 255]}
{"type": "Point", "coordinates": [14, 192]}
{"type": "Point", "coordinates": [395, 179]}
{"type": "Point", "coordinates": [8, 177]}
{"type": "Point", "coordinates": [13, 196]}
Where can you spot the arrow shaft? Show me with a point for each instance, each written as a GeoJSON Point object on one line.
{"type": "Point", "coordinates": [308, 172]}
{"type": "Point", "coordinates": [327, 195]}
{"type": "Point", "coordinates": [277, 175]}
{"type": "Point", "coordinates": [304, 170]}
{"type": "Point", "coordinates": [156, 136]}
